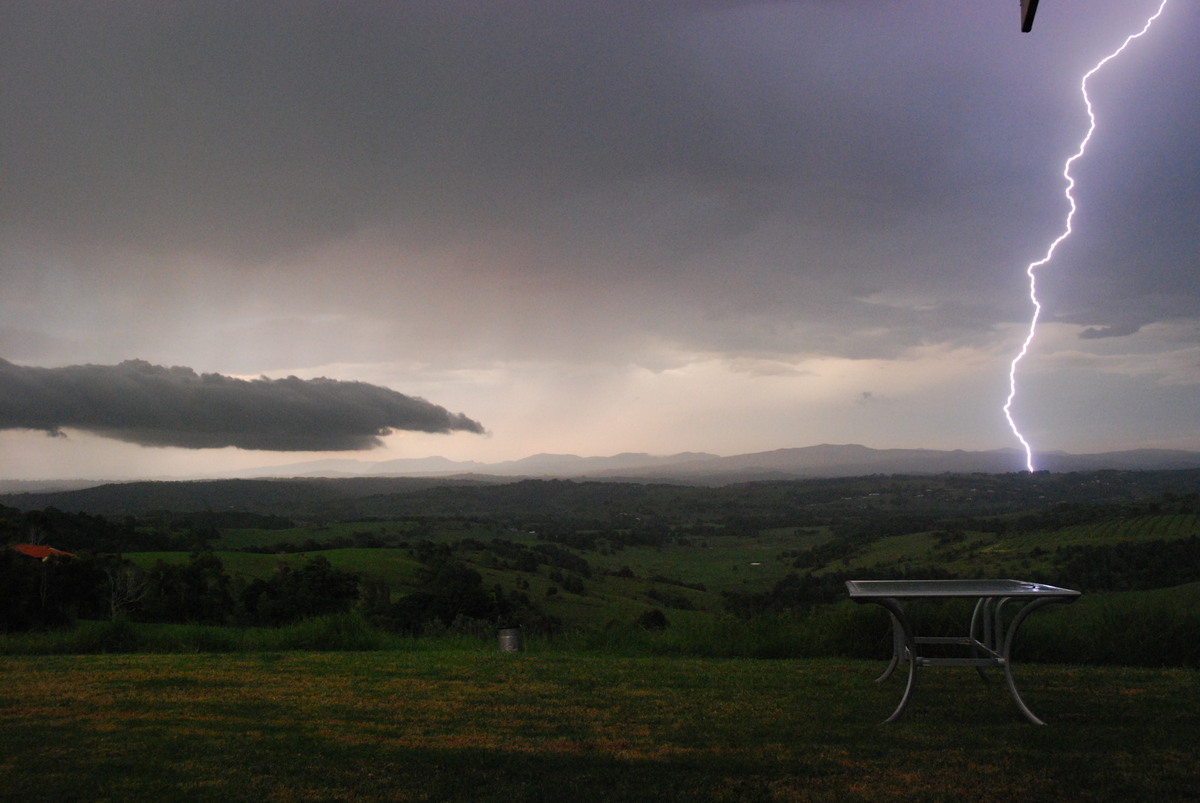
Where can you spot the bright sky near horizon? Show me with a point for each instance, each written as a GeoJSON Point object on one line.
{"type": "Point", "coordinates": [592, 227]}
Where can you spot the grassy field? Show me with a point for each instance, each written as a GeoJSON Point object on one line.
{"type": "Point", "coordinates": [434, 724]}
{"type": "Point", "coordinates": [777, 706]}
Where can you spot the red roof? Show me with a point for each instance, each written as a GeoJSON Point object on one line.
{"type": "Point", "coordinates": [40, 552]}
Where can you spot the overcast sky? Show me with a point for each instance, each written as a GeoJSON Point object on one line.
{"type": "Point", "coordinates": [600, 225]}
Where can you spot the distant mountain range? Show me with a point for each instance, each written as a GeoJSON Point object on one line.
{"type": "Point", "coordinates": [700, 468]}
{"type": "Point", "coordinates": [807, 462]}
{"type": "Point", "coordinates": [538, 465]}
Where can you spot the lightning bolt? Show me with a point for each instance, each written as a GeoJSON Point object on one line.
{"type": "Point", "coordinates": [1031, 270]}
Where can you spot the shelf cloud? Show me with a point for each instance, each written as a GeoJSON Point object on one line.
{"type": "Point", "coordinates": [153, 405]}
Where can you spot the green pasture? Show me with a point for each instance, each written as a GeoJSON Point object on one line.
{"type": "Point", "coordinates": [976, 554]}
{"type": "Point", "coordinates": [717, 562]}
{"type": "Point", "coordinates": [244, 565]}
{"type": "Point", "coordinates": [738, 563]}
{"type": "Point", "coordinates": [393, 566]}
{"type": "Point", "coordinates": [1137, 528]}
{"type": "Point", "coordinates": [479, 725]}
{"type": "Point", "coordinates": [608, 598]}
{"type": "Point", "coordinates": [410, 530]}
{"type": "Point", "coordinates": [973, 553]}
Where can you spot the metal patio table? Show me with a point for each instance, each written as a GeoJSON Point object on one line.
{"type": "Point", "coordinates": [990, 641]}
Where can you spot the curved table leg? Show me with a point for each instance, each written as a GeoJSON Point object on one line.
{"type": "Point", "coordinates": [902, 647]}
{"type": "Point", "coordinates": [980, 617]}
{"type": "Point", "coordinates": [908, 690]}
{"type": "Point", "coordinates": [1007, 655]}
{"type": "Point", "coordinates": [897, 649]}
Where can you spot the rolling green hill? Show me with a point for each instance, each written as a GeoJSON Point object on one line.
{"type": "Point", "coordinates": [573, 557]}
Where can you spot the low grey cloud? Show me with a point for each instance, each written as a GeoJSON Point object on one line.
{"type": "Point", "coordinates": [1095, 333]}
{"type": "Point", "coordinates": [152, 405]}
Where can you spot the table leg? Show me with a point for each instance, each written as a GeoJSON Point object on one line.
{"type": "Point", "coordinates": [1007, 655]}
{"type": "Point", "coordinates": [903, 647]}
{"type": "Point", "coordinates": [897, 649]}
{"type": "Point", "coordinates": [980, 617]}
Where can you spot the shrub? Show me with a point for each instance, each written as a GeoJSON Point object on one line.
{"type": "Point", "coordinates": [653, 619]}
{"type": "Point", "coordinates": [117, 635]}
{"type": "Point", "coordinates": [343, 631]}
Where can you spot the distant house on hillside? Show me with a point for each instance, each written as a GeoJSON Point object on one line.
{"type": "Point", "coordinates": [40, 552]}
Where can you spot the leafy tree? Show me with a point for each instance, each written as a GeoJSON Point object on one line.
{"type": "Point", "coordinates": [40, 594]}
{"type": "Point", "coordinates": [447, 590]}
{"type": "Point", "coordinates": [27, 602]}
{"type": "Point", "coordinates": [196, 592]}
{"type": "Point", "coordinates": [653, 619]}
{"type": "Point", "coordinates": [289, 595]}
{"type": "Point", "coordinates": [125, 586]}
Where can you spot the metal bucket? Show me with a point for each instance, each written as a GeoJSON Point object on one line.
{"type": "Point", "coordinates": [511, 639]}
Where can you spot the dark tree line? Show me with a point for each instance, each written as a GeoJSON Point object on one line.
{"type": "Point", "coordinates": [800, 592]}
{"type": "Point", "coordinates": [1131, 566]}
{"type": "Point", "coordinates": [55, 592]}
{"type": "Point", "coordinates": [40, 595]}
{"type": "Point", "coordinates": [451, 594]}
{"type": "Point", "coordinates": [290, 595]}
{"type": "Point", "coordinates": [160, 531]}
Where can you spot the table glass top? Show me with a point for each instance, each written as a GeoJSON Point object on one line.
{"type": "Point", "coordinates": [898, 589]}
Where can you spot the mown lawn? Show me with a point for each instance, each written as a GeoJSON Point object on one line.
{"type": "Point", "coordinates": [546, 725]}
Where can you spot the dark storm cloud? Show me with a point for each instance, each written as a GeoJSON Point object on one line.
{"type": "Point", "coordinates": [1136, 243]}
{"type": "Point", "coordinates": [251, 128]}
{"type": "Point", "coordinates": [254, 127]}
{"type": "Point", "coordinates": [156, 406]}
{"type": "Point", "coordinates": [726, 168]}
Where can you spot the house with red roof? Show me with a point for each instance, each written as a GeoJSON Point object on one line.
{"type": "Point", "coordinates": [40, 552]}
